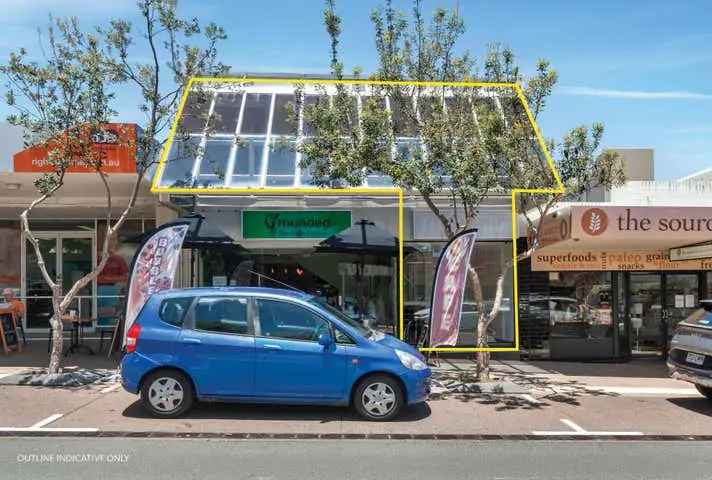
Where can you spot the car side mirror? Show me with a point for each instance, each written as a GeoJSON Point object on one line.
{"type": "Point", "coordinates": [325, 340]}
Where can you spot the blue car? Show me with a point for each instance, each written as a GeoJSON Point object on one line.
{"type": "Point", "coordinates": [262, 345]}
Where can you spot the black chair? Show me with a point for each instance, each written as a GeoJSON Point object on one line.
{"type": "Point", "coordinates": [21, 328]}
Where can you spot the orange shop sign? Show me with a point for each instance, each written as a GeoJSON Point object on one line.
{"type": "Point", "coordinates": [115, 141]}
{"type": "Point", "coordinates": [582, 260]}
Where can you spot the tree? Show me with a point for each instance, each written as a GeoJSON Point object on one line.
{"type": "Point", "coordinates": [63, 101]}
{"type": "Point", "coordinates": [461, 144]}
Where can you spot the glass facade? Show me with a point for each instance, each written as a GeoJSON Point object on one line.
{"type": "Point", "coordinates": [249, 139]}
{"type": "Point", "coordinates": [489, 258]}
{"type": "Point", "coordinates": [69, 248]}
{"type": "Point", "coordinates": [10, 262]}
{"type": "Point", "coordinates": [604, 315]}
{"type": "Point", "coordinates": [364, 286]}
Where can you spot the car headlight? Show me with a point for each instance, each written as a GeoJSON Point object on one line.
{"type": "Point", "coordinates": [410, 361]}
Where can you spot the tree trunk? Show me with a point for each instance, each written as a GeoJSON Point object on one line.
{"type": "Point", "coordinates": [55, 357]}
{"type": "Point", "coordinates": [483, 358]}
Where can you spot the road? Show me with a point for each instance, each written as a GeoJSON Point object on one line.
{"type": "Point", "coordinates": [107, 458]}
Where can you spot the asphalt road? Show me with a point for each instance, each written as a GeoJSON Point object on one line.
{"type": "Point", "coordinates": [106, 458]}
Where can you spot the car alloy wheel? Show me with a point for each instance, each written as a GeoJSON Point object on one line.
{"type": "Point", "coordinates": [378, 399]}
{"type": "Point", "coordinates": [165, 394]}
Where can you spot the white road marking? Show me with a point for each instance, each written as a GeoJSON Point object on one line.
{"type": "Point", "coordinates": [529, 399]}
{"type": "Point", "coordinates": [40, 426]}
{"type": "Point", "coordinates": [573, 425]}
{"type": "Point", "coordinates": [47, 420]}
{"type": "Point", "coordinates": [110, 388]}
{"type": "Point", "coordinates": [32, 429]}
{"type": "Point", "coordinates": [634, 391]}
{"type": "Point", "coordinates": [579, 431]}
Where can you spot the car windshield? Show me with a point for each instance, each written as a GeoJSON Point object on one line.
{"type": "Point", "coordinates": [365, 331]}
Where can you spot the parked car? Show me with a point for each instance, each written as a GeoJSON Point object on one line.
{"type": "Point", "coordinates": [469, 316]}
{"type": "Point", "coordinates": [262, 345]}
{"type": "Point", "coordinates": [690, 357]}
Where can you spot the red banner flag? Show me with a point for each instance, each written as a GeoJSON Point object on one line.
{"type": "Point", "coordinates": [449, 289]}
{"type": "Point", "coordinates": [154, 268]}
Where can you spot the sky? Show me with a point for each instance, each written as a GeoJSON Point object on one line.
{"type": "Point", "coordinates": [643, 68]}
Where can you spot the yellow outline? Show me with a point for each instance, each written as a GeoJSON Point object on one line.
{"type": "Point", "coordinates": [395, 191]}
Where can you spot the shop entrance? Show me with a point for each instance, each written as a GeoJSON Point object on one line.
{"type": "Point", "coordinates": [656, 303]}
{"type": "Point", "coordinates": [68, 256]}
{"type": "Point", "coordinates": [364, 286]}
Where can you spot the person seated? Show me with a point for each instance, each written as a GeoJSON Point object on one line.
{"type": "Point", "coordinates": [18, 309]}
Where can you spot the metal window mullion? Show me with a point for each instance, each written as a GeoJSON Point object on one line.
{"type": "Point", "coordinates": [419, 120]}
{"type": "Point", "coordinates": [394, 143]}
{"type": "Point", "coordinates": [203, 141]}
{"type": "Point", "coordinates": [298, 143]}
{"type": "Point", "coordinates": [233, 149]}
{"type": "Point", "coordinates": [268, 137]}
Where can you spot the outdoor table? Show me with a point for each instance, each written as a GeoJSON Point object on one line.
{"type": "Point", "coordinates": [76, 339]}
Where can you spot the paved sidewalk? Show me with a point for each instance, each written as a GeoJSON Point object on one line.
{"type": "Point", "coordinates": [546, 378]}
{"type": "Point", "coordinates": [560, 399]}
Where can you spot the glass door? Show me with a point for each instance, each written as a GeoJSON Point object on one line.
{"type": "Point", "coordinates": [68, 256]}
{"type": "Point", "coordinates": [77, 261]}
{"type": "Point", "coordinates": [646, 310]}
{"type": "Point", "coordinates": [681, 299]}
{"type": "Point", "coordinates": [37, 293]}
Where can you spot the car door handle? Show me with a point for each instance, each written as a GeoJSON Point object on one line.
{"type": "Point", "coordinates": [269, 346]}
{"type": "Point", "coordinates": [192, 341]}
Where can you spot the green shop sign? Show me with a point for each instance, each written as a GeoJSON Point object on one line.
{"type": "Point", "coordinates": [294, 223]}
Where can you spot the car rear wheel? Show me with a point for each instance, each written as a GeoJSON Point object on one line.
{"type": "Point", "coordinates": [706, 391]}
{"type": "Point", "coordinates": [167, 393]}
{"type": "Point", "coordinates": [378, 398]}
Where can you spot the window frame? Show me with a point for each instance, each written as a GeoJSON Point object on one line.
{"type": "Point", "coordinates": [192, 325]}
{"type": "Point", "coordinates": [186, 315]}
{"type": "Point", "coordinates": [256, 320]}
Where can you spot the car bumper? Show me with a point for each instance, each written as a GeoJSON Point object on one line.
{"type": "Point", "coordinates": [133, 367]}
{"type": "Point", "coordinates": [688, 374]}
{"type": "Point", "coordinates": [417, 384]}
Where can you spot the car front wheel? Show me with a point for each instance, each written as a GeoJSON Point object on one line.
{"type": "Point", "coordinates": [706, 391]}
{"type": "Point", "coordinates": [167, 393]}
{"type": "Point", "coordinates": [378, 398]}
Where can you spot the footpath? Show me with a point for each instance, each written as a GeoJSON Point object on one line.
{"type": "Point", "coordinates": [546, 400]}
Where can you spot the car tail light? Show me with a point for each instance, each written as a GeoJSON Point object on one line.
{"type": "Point", "coordinates": [132, 337]}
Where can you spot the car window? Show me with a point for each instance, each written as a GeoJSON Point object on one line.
{"type": "Point", "coordinates": [342, 338]}
{"type": "Point", "coordinates": [173, 310]}
{"type": "Point", "coordinates": [222, 315]}
{"type": "Point", "coordinates": [286, 320]}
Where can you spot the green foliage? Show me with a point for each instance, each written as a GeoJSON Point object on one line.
{"type": "Point", "coordinates": [463, 144]}
{"type": "Point", "coordinates": [179, 49]}
{"type": "Point", "coordinates": [61, 101]}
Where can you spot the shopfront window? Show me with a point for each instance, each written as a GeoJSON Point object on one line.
{"type": "Point", "coordinates": [248, 163]}
{"type": "Point", "coordinates": [580, 305]}
{"type": "Point", "coordinates": [225, 113]}
{"type": "Point", "coordinates": [214, 163]}
{"type": "Point", "coordinates": [489, 260]}
{"type": "Point", "coordinates": [112, 281]}
{"type": "Point", "coordinates": [10, 265]}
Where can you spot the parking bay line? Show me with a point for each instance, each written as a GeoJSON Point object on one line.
{"type": "Point", "coordinates": [580, 431]}
{"type": "Point", "coordinates": [47, 420]}
{"type": "Point", "coordinates": [40, 426]}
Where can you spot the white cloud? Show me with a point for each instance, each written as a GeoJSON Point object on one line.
{"type": "Point", "coordinates": [634, 94]}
